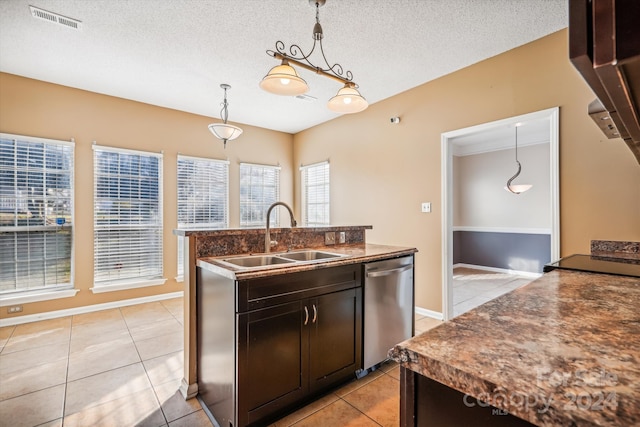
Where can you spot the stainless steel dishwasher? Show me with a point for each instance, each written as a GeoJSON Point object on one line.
{"type": "Point", "coordinates": [388, 307]}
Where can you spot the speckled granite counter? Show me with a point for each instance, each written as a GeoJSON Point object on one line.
{"type": "Point", "coordinates": [352, 255]}
{"type": "Point", "coordinates": [562, 350]}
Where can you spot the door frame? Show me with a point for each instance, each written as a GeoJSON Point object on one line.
{"type": "Point", "coordinates": [553, 114]}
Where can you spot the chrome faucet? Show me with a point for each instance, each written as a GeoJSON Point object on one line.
{"type": "Point", "coordinates": [267, 236]}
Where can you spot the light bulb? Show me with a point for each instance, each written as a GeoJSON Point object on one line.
{"type": "Point", "coordinates": [285, 81]}
{"type": "Point", "coordinates": [347, 100]}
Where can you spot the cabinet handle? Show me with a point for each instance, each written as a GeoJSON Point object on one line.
{"type": "Point", "coordinates": [306, 315]}
{"type": "Point", "coordinates": [315, 314]}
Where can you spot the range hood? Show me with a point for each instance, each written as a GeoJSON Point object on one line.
{"type": "Point", "coordinates": [604, 46]}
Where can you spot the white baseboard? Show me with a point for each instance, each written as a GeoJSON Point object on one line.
{"type": "Point", "coordinates": [499, 270]}
{"type": "Point", "coordinates": [429, 313]}
{"type": "Point", "coordinates": [87, 309]}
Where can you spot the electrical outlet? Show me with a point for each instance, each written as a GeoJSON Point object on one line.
{"type": "Point", "coordinates": [330, 238]}
{"type": "Point", "coordinates": [426, 207]}
{"type": "Point", "coordinates": [14, 309]}
{"type": "Point", "coordinates": [342, 237]}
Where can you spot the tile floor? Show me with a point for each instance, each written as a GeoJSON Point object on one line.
{"type": "Point", "coordinates": [473, 287]}
{"type": "Point", "coordinates": [123, 367]}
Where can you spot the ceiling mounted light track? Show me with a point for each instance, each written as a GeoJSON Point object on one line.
{"type": "Point", "coordinates": [284, 80]}
{"type": "Point", "coordinates": [224, 131]}
{"type": "Point", "coordinates": [517, 188]}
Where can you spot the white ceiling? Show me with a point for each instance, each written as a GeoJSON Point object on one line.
{"type": "Point", "coordinates": [175, 53]}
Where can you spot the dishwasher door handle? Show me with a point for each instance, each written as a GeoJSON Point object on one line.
{"type": "Point", "coordinates": [381, 273]}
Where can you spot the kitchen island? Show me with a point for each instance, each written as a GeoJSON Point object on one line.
{"type": "Point", "coordinates": [563, 350]}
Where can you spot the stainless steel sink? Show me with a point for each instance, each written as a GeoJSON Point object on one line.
{"type": "Point", "coordinates": [265, 260]}
{"type": "Point", "coordinates": [256, 260]}
{"type": "Point", "coordinates": [309, 255]}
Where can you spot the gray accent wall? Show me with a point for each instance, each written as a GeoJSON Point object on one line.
{"type": "Point", "coordinates": [512, 251]}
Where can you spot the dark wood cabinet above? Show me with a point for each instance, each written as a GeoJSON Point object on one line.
{"type": "Point", "coordinates": [604, 46]}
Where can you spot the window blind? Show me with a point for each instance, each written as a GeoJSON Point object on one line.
{"type": "Point", "coordinates": [36, 214]}
{"type": "Point", "coordinates": [127, 216]}
{"type": "Point", "coordinates": [315, 194]}
{"type": "Point", "coordinates": [259, 188]}
{"type": "Point", "coordinates": [203, 196]}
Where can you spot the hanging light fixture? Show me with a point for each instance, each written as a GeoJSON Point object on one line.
{"type": "Point", "coordinates": [224, 131]}
{"type": "Point", "coordinates": [284, 80]}
{"type": "Point", "coordinates": [517, 188]}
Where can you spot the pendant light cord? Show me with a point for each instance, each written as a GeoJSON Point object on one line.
{"type": "Point", "coordinates": [224, 112]}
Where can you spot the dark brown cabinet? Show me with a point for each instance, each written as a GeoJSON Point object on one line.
{"type": "Point", "coordinates": [296, 335]}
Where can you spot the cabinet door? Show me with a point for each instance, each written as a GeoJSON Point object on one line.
{"type": "Point", "coordinates": [272, 360]}
{"type": "Point", "coordinates": [335, 341]}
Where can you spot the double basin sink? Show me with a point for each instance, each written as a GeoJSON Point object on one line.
{"type": "Point", "coordinates": [265, 260]}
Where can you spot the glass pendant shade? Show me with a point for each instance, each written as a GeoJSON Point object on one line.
{"type": "Point", "coordinates": [225, 131]}
{"type": "Point", "coordinates": [283, 80]}
{"type": "Point", "coordinates": [518, 188]}
{"type": "Point", "coordinates": [347, 100]}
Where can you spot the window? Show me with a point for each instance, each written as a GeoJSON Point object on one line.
{"type": "Point", "coordinates": [259, 189]}
{"type": "Point", "coordinates": [36, 214]}
{"type": "Point", "coordinates": [127, 219]}
{"type": "Point", "coordinates": [203, 196]}
{"type": "Point", "coordinates": [315, 194]}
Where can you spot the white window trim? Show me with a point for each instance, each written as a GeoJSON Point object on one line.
{"type": "Point", "coordinates": [104, 287]}
{"type": "Point", "coordinates": [67, 290]}
{"type": "Point", "coordinates": [26, 298]}
{"type": "Point", "coordinates": [303, 199]}
{"type": "Point", "coordinates": [117, 286]}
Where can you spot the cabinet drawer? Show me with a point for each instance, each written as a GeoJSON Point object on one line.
{"type": "Point", "coordinates": [273, 290]}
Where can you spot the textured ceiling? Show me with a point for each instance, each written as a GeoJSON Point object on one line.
{"type": "Point", "coordinates": [175, 53]}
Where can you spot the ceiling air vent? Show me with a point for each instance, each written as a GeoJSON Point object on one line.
{"type": "Point", "coordinates": [307, 98]}
{"type": "Point", "coordinates": [55, 18]}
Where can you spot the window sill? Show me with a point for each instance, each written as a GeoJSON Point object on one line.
{"type": "Point", "coordinates": [180, 278]}
{"type": "Point", "coordinates": [39, 296]}
{"type": "Point", "coordinates": [128, 285]}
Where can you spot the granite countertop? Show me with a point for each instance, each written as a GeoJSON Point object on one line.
{"type": "Point", "coordinates": [562, 350]}
{"type": "Point", "coordinates": [353, 254]}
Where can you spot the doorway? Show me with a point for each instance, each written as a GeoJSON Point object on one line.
{"type": "Point", "coordinates": [541, 127]}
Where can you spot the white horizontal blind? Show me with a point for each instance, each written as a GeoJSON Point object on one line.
{"type": "Point", "coordinates": [203, 196]}
{"type": "Point", "coordinates": [127, 216]}
{"type": "Point", "coordinates": [259, 188]}
{"type": "Point", "coordinates": [36, 214]}
{"type": "Point", "coordinates": [315, 194]}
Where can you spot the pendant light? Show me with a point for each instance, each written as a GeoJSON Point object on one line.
{"type": "Point", "coordinates": [517, 188]}
{"type": "Point", "coordinates": [224, 131]}
{"type": "Point", "coordinates": [284, 80]}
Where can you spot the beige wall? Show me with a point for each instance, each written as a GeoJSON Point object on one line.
{"type": "Point", "coordinates": [480, 197]}
{"type": "Point", "coordinates": [381, 172]}
{"type": "Point", "coordinates": [34, 108]}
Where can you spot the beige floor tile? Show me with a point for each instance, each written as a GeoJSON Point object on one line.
{"type": "Point", "coordinates": [356, 384]}
{"type": "Point", "coordinates": [39, 334]}
{"type": "Point", "coordinates": [87, 337]}
{"type": "Point", "coordinates": [175, 306]}
{"type": "Point", "coordinates": [54, 423]}
{"type": "Point", "coordinates": [165, 368]}
{"type": "Point", "coordinates": [197, 419]}
{"type": "Point", "coordinates": [34, 408]}
{"type": "Point", "coordinates": [101, 316]}
{"type": "Point", "coordinates": [339, 413]}
{"type": "Point", "coordinates": [395, 372]}
{"type": "Point", "coordinates": [308, 410]}
{"type": "Point", "coordinates": [379, 400]}
{"type": "Point", "coordinates": [173, 404]}
{"type": "Point", "coordinates": [32, 379]}
{"type": "Point", "coordinates": [388, 365]}
{"type": "Point", "coordinates": [160, 345]}
{"type": "Point", "coordinates": [100, 358]}
{"type": "Point", "coordinates": [32, 357]}
{"type": "Point", "coordinates": [5, 333]}
{"type": "Point", "coordinates": [105, 387]}
{"type": "Point", "coordinates": [425, 324]}
{"type": "Point", "coordinates": [140, 409]}
{"type": "Point", "coordinates": [140, 314]}
{"type": "Point", "coordinates": [155, 329]}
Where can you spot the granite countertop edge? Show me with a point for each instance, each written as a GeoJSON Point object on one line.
{"type": "Point", "coordinates": [559, 325]}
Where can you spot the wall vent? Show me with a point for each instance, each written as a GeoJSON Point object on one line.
{"type": "Point", "coordinates": [55, 18]}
